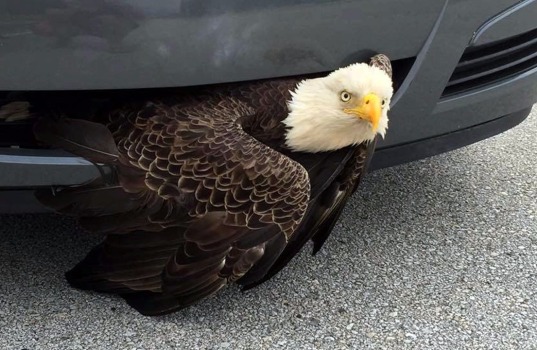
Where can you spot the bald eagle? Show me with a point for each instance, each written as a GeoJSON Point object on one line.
{"type": "Point", "coordinates": [223, 185]}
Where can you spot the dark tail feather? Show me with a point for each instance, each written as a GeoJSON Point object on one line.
{"type": "Point", "coordinates": [132, 265]}
{"type": "Point", "coordinates": [101, 206]}
{"type": "Point", "coordinates": [120, 222]}
{"type": "Point", "coordinates": [15, 111]}
{"type": "Point", "coordinates": [324, 231]}
{"type": "Point", "coordinates": [284, 258]}
{"type": "Point", "coordinates": [256, 275]}
{"type": "Point", "coordinates": [89, 140]}
{"type": "Point", "coordinates": [153, 304]}
{"type": "Point", "coordinates": [126, 263]}
{"type": "Point", "coordinates": [81, 278]}
{"type": "Point", "coordinates": [95, 198]}
{"type": "Point", "coordinates": [156, 304]}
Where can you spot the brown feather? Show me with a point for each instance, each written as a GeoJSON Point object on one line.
{"type": "Point", "coordinates": [89, 140]}
{"type": "Point", "coordinates": [94, 199]}
{"type": "Point", "coordinates": [206, 193]}
{"type": "Point", "coordinates": [192, 196]}
{"type": "Point", "coordinates": [325, 208]}
{"type": "Point", "coordinates": [383, 62]}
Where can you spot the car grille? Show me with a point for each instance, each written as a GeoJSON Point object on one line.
{"type": "Point", "coordinates": [487, 64]}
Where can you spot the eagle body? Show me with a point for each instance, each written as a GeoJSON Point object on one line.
{"type": "Point", "coordinates": [206, 191]}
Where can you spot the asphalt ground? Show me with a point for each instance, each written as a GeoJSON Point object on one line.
{"type": "Point", "coordinates": [436, 254]}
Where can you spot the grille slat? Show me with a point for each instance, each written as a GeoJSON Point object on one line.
{"type": "Point", "coordinates": [484, 65]}
{"type": "Point", "coordinates": [468, 64]}
{"type": "Point", "coordinates": [490, 68]}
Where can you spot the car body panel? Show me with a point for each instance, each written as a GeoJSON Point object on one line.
{"type": "Point", "coordinates": [145, 44]}
{"type": "Point", "coordinates": [118, 44]}
{"type": "Point", "coordinates": [518, 18]}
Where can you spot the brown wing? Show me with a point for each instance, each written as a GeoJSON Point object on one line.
{"type": "Point", "coordinates": [334, 200]}
{"type": "Point", "coordinates": [332, 186]}
{"type": "Point", "coordinates": [334, 177]}
{"type": "Point", "coordinates": [383, 62]}
{"type": "Point", "coordinates": [204, 201]}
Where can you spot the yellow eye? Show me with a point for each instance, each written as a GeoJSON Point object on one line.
{"type": "Point", "coordinates": [345, 96]}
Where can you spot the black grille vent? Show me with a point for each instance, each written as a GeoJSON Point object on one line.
{"type": "Point", "coordinates": [490, 63]}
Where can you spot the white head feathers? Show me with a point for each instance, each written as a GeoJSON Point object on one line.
{"type": "Point", "coordinates": [327, 113]}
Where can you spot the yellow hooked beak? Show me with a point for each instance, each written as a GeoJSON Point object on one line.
{"type": "Point", "coordinates": [369, 109]}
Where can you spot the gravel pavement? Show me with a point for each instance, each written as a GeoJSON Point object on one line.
{"type": "Point", "coordinates": [437, 254]}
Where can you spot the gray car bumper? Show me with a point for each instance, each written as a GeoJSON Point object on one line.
{"type": "Point", "coordinates": [464, 71]}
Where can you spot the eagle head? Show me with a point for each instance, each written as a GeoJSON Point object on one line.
{"type": "Point", "coordinates": [347, 107]}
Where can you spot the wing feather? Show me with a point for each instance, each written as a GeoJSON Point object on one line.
{"type": "Point", "coordinates": [207, 201]}
{"type": "Point", "coordinates": [206, 194]}
{"type": "Point", "coordinates": [383, 62]}
{"type": "Point", "coordinates": [331, 194]}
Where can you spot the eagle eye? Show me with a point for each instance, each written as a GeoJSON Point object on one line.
{"type": "Point", "coordinates": [345, 96]}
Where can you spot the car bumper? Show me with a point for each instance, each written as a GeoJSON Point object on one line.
{"type": "Point", "coordinates": [467, 80]}
{"type": "Point", "coordinates": [23, 170]}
